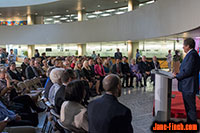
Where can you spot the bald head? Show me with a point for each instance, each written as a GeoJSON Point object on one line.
{"type": "Point", "coordinates": [112, 83]}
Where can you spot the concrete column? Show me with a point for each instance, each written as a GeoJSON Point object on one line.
{"type": "Point", "coordinates": [81, 15]}
{"type": "Point", "coordinates": [30, 19]}
{"type": "Point", "coordinates": [31, 50]}
{"type": "Point", "coordinates": [132, 47]}
{"type": "Point", "coordinates": [132, 4]}
{"type": "Point", "coordinates": [81, 49]}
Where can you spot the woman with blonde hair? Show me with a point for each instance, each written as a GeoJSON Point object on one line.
{"type": "Point", "coordinates": [106, 67]}
{"type": "Point", "coordinates": [78, 70]}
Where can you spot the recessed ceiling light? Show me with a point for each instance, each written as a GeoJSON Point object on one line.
{"type": "Point", "coordinates": [105, 15]}
{"type": "Point", "coordinates": [98, 5]}
{"type": "Point", "coordinates": [83, 8]}
{"type": "Point", "coordinates": [51, 12]}
{"type": "Point", "coordinates": [36, 13]}
{"type": "Point", "coordinates": [123, 8]}
{"type": "Point", "coordinates": [119, 12]}
{"type": "Point", "coordinates": [116, 2]}
{"type": "Point", "coordinates": [18, 14]}
{"type": "Point", "coordinates": [49, 19]}
{"type": "Point", "coordinates": [111, 10]}
{"type": "Point", "coordinates": [57, 16]}
{"type": "Point", "coordinates": [0, 13]}
{"type": "Point", "coordinates": [56, 21]}
{"type": "Point", "coordinates": [98, 12]}
{"type": "Point", "coordinates": [67, 10]}
{"type": "Point", "coordinates": [63, 18]}
{"type": "Point", "coordinates": [91, 16]}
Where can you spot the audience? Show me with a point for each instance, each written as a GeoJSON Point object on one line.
{"type": "Point", "coordinates": [107, 114]}
{"type": "Point", "coordinates": [69, 82]}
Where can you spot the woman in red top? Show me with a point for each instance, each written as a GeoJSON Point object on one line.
{"type": "Point", "coordinates": [99, 71]}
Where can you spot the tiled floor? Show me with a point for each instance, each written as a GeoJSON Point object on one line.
{"type": "Point", "coordinates": [140, 101]}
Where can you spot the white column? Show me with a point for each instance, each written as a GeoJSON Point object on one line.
{"type": "Point", "coordinates": [81, 49]}
{"type": "Point", "coordinates": [31, 50]}
{"type": "Point", "coordinates": [132, 47]}
{"type": "Point", "coordinates": [30, 19]}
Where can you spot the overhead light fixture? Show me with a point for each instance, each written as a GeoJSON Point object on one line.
{"type": "Point", "coordinates": [119, 12]}
{"type": "Point", "coordinates": [116, 2]}
{"type": "Point", "coordinates": [111, 10]}
{"type": "Point", "coordinates": [57, 16]}
{"type": "Point", "coordinates": [91, 16]}
{"type": "Point", "coordinates": [98, 5]}
{"type": "Point", "coordinates": [63, 18]}
{"type": "Point", "coordinates": [49, 19]}
{"type": "Point", "coordinates": [36, 13]}
{"type": "Point", "coordinates": [123, 8]}
{"type": "Point", "coordinates": [56, 21]}
{"type": "Point", "coordinates": [105, 15]}
{"type": "Point", "coordinates": [67, 10]}
{"type": "Point", "coordinates": [98, 12]}
{"type": "Point", "coordinates": [75, 17]}
{"type": "Point", "coordinates": [150, 2]}
{"type": "Point", "coordinates": [51, 12]}
{"type": "Point", "coordinates": [0, 13]}
{"type": "Point", "coordinates": [83, 8]}
{"type": "Point", "coordinates": [18, 14]}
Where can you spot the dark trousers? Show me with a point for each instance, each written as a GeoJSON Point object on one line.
{"type": "Point", "coordinates": [190, 106]}
{"type": "Point", "coordinates": [125, 79]}
{"type": "Point", "coordinates": [27, 102]}
{"type": "Point", "coordinates": [27, 120]}
{"type": "Point", "coordinates": [145, 76]}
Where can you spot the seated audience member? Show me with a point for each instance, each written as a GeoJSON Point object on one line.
{"type": "Point", "coordinates": [55, 77]}
{"type": "Point", "coordinates": [50, 61]}
{"type": "Point", "coordinates": [14, 119]}
{"type": "Point", "coordinates": [109, 61]}
{"type": "Point", "coordinates": [145, 69]}
{"type": "Point", "coordinates": [3, 125]}
{"type": "Point", "coordinates": [24, 65]}
{"type": "Point", "coordinates": [78, 70]}
{"type": "Point", "coordinates": [48, 83]}
{"type": "Point", "coordinates": [13, 73]}
{"type": "Point", "coordinates": [100, 73]}
{"type": "Point", "coordinates": [58, 63]}
{"type": "Point", "coordinates": [73, 115]}
{"type": "Point", "coordinates": [91, 65]}
{"type": "Point", "coordinates": [6, 63]}
{"type": "Point", "coordinates": [12, 57]}
{"type": "Point", "coordinates": [45, 65]}
{"type": "Point", "coordinates": [87, 71]}
{"type": "Point", "coordinates": [66, 64]}
{"type": "Point", "coordinates": [106, 67]}
{"type": "Point", "coordinates": [40, 71]}
{"type": "Point", "coordinates": [135, 72]}
{"type": "Point", "coordinates": [31, 71]}
{"type": "Point", "coordinates": [117, 68]}
{"type": "Point", "coordinates": [107, 114]}
{"type": "Point", "coordinates": [60, 97]}
{"type": "Point", "coordinates": [154, 65]}
{"type": "Point", "coordinates": [73, 64]}
{"type": "Point", "coordinates": [125, 72]}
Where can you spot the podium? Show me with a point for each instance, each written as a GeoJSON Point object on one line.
{"type": "Point", "coordinates": [163, 90]}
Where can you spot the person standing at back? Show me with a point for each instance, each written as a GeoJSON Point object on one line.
{"type": "Point", "coordinates": [118, 55]}
{"type": "Point", "coordinates": [107, 114]}
{"type": "Point", "coordinates": [169, 60]}
{"type": "Point", "coordinates": [11, 56]}
{"type": "Point", "coordinates": [188, 78]}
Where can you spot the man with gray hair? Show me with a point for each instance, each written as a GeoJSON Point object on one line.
{"type": "Point", "coordinates": [107, 114]}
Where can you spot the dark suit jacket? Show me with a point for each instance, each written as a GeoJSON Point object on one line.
{"type": "Point", "coordinates": [188, 77]}
{"type": "Point", "coordinates": [16, 76]}
{"type": "Point", "coordinates": [59, 99]}
{"type": "Point", "coordinates": [24, 66]}
{"type": "Point", "coordinates": [114, 68]}
{"type": "Point", "coordinates": [125, 68]}
{"type": "Point", "coordinates": [30, 73]}
{"type": "Point", "coordinates": [153, 66]}
{"type": "Point", "coordinates": [118, 55]}
{"type": "Point", "coordinates": [107, 115]}
{"type": "Point", "coordinates": [47, 88]}
{"type": "Point", "coordinates": [144, 67]}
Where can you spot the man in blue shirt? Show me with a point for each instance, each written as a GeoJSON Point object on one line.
{"type": "Point", "coordinates": [11, 56]}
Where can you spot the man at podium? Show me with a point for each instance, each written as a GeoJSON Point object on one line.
{"type": "Point", "coordinates": [188, 80]}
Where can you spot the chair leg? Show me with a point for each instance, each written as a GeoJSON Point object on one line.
{"type": "Point", "coordinates": [45, 125]}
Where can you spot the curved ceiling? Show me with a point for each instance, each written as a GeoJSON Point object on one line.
{"type": "Point", "coordinates": [55, 7]}
{"type": "Point", "coordinates": [17, 3]}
